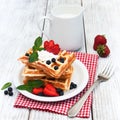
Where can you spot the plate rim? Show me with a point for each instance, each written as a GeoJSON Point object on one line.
{"type": "Point", "coordinates": [58, 98]}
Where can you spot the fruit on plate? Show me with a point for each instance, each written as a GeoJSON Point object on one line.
{"type": "Point", "coordinates": [37, 91]}
{"type": "Point", "coordinates": [50, 90]}
{"type": "Point", "coordinates": [100, 45]}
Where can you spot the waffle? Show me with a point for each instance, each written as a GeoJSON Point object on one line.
{"type": "Point", "coordinates": [50, 69]}
{"type": "Point", "coordinates": [33, 74]}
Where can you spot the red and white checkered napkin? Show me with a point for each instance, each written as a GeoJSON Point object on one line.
{"type": "Point", "coordinates": [61, 107]}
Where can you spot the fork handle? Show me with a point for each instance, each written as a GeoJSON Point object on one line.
{"type": "Point", "coordinates": [73, 111]}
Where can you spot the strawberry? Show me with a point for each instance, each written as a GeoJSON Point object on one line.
{"type": "Point", "coordinates": [36, 91]}
{"type": "Point", "coordinates": [50, 46]}
{"type": "Point", "coordinates": [103, 50]}
{"type": "Point", "coordinates": [99, 40]}
{"type": "Point", "coordinates": [56, 49]}
{"type": "Point", "coordinates": [46, 43]}
{"type": "Point", "coordinates": [50, 90]}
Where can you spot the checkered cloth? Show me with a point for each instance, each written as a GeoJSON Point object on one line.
{"type": "Point", "coordinates": [61, 107]}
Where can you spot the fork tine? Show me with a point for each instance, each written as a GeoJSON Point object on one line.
{"type": "Point", "coordinates": [108, 69]}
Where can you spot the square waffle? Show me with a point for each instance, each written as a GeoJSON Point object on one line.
{"type": "Point", "coordinates": [49, 69]}
{"type": "Point", "coordinates": [63, 82]}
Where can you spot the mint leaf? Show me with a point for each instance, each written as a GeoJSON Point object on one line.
{"type": "Point", "coordinates": [38, 42]}
{"type": "Point", "coordinates": [6, 85]}
{"type": "Point", "coordinates": [35, 83]}
{"type": "Point", "coordinates": [30, 85]}
{"type": "Point", "coordinates": [25, 87]}
{"type": "Point", "coordinates": [39, 49]}
{"type": "Point", "coordinates": [34, 48]}
{"type": "Point", "coordinates": [33, 57]}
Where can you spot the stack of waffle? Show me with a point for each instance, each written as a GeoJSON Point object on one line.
{"type": "Point", "coordinates": [58, 73]}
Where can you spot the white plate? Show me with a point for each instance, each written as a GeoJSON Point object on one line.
{"type": "Point", "coordinates": [79, 76]}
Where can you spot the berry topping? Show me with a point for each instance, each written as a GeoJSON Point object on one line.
{"type": "Point", "coordinates": [5, 92]}
{"type": "Point", "coordinates": [55, 67]}
{"type": "Point", "coordinates": [62, 60]}
{"type": "Point", "coordinates": [50, 46]}
{"type": "Point", "coordinates": [53, 60]}
{"type": "Point", "coordinates": [48, 62]}
{"type": "Point", "coordinates": [26, 54]}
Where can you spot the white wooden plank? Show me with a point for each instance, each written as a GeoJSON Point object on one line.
{"type": "Point", "coordinates": [18, 29]}
{"type": "Point", "coordinates": [102, 17]}
{"type": "Point", "coordinates": [35, 115]}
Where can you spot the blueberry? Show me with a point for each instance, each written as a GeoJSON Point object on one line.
{"type": "Point", "coordinates": [26, 54]}
{"type": "Point", "coordinates": [62, 60]}
{"type": "Point", "coordinates": [41, 94]}
{"type": "Point", "coordinates": [73, 85]}
{"type": "Point", "coordinates": [55, 67]}
{"type": "Point", "coordinates": [5, 92]}
{"type": "Point", "coordinates": [60, 91]}
{"type": "Point", "coordinates": [53, 60]}
{"type": "Point", "coordinates": [10, 89]}
{"type": "Point", "coordinates": [48, 62]}
{"type": "Point", "coordinates": [10, 93]}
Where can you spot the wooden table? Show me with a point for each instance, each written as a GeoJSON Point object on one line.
{"type": "Point", "coordinates": [19, 28]}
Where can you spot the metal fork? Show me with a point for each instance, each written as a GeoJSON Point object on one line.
{"type": "Point", "coordinates": [102, 77]}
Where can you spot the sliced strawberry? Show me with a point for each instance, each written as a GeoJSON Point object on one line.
{"type": "Point", "coordinates": [47, 92]}
{"type": "Point", "coordinates": [36, 91]}
{"type": "Point", "coordinates": [56, 49]}
{"type": "Point", "coordinates": [103, 50]}
{"type": "Point", "coordinates": [99, 40]}
{"type": "Point", "coordinates": [50, 90]}
{"type": "Point", "coordinates": [46, 43]}
{"type": "Point", "coordinates": [51, 43]}
{"type": "Point", "coordinates": [50, 87]}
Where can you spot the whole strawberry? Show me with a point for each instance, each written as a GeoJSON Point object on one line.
{"type": "Point", "coordinates": [99, 40]}
{"type": "Point", "coordinates": [103, 50]}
